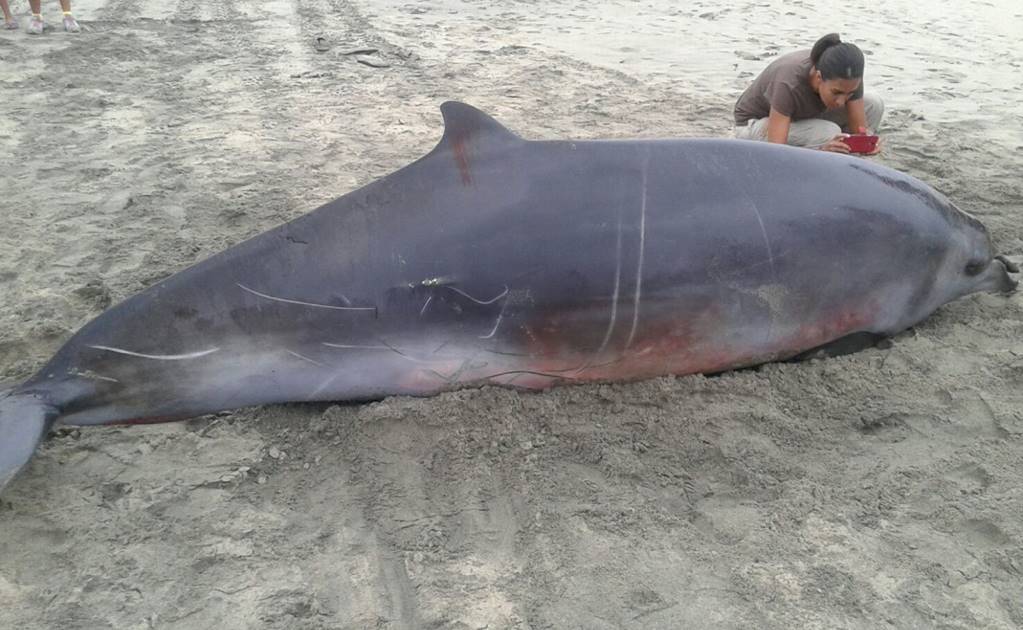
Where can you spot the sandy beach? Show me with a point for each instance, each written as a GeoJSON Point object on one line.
{"type": "Point", "coordinates": [878, 490]}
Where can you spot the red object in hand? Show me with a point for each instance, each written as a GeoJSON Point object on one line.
{"type": "Point", "coordinates": [861, 143]}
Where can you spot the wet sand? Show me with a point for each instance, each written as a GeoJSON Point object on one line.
{"type": "Point", "coordinates": [883, 489]}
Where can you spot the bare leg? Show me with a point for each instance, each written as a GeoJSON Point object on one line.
{"type": "Point", "coordinates": [36, 24]}
{"type": "Point", "coordinates": [70, 23]}
{"type": "Point", "coordinates": [10, 22]}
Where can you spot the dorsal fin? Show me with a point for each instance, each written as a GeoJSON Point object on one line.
{"type": "Point", "coordinates": [466, 124]}
{"type": "Point", "coordinates": [468, 134]}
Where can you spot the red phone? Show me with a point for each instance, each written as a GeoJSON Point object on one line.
{"type": "Point", "coordinates": [861, 143]}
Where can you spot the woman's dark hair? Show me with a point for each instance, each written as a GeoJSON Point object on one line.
{"type": "Point", "coordinates": [835, 59]}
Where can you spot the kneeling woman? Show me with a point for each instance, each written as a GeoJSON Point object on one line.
{"type": "Point", "coordinates": [808, 98]}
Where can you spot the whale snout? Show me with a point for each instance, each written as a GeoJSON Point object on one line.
{"type": "Point", "coordinates": [998, 278]}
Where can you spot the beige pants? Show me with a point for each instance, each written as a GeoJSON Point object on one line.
{"type": "Point", "coordinates": [815, 132]}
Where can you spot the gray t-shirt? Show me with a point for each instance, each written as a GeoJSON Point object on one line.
{"type": "Point", "coordinates": [785, 86]}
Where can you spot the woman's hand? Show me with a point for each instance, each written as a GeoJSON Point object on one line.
{"type": "Point", "coordinates": [836, 144]}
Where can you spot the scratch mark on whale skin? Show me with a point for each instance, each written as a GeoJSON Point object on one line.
{"type": "Point", "coordinates": [477, 300]}
{"type": "Point", "coordinates": [301, 303]}
{"type": "Point", "coordinates": [642, 252]}
{"type": "Point", "coordinates": [158, 357]}
{"type": "Point", "coordinates": [305, 358]}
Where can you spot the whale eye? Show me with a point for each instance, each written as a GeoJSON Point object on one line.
{"type": "Point", "coordinates": [974, 267]}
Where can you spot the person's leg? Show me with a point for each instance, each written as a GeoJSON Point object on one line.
{"type": "Point", "coordinates": [10, 22]}
{"type": "Point", "coordinates": [873, 106]}
{"type": "Point", "coordinates": [36, 24]}
{"type": "Point", "coordinates": [812, 133]}
{"type": "Point", "coordinates": [752, 130]}
{"type": "Point", "coordinates": [70, 23]}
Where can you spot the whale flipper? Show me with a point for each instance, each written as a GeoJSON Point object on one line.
{"type": "Point", "coordinates": [24, 420]}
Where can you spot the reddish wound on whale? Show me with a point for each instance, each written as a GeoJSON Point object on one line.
{"type": "Point", "coordinates": [461, 158]}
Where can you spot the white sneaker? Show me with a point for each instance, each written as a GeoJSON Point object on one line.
{"type": "Point", "coordinates": [71, 24]}
{"type": "Point", "coordinates": [36, 26]}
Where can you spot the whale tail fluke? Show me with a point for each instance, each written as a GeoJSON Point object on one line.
{"type": "Point", "coordinates": [24, 420]}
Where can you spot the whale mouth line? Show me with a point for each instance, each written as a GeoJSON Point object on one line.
{"type": "Point", "coordinates": [999, 276]}
{"type": "Point", "coordinates": [1010, 265]}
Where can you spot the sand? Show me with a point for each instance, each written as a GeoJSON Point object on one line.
{"type": "Point", "coordinates": [883, 489]}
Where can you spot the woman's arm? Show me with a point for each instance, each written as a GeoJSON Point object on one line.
{"type": "Point", "coordinates": [778, 127]}
{"type": "Point", "coordinates": [857, 116]}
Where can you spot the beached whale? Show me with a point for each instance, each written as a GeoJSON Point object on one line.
{"type": "Point", "coordinates": [496, 260]}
